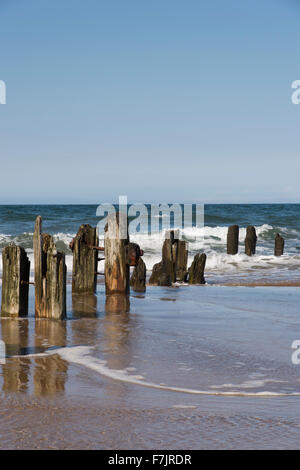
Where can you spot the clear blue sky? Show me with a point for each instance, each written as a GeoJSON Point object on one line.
{"type": "Point", "coordinates": [162, 100]}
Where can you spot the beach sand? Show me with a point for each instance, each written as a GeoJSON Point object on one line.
{"type": "Point", "coordinates": [188, 367]}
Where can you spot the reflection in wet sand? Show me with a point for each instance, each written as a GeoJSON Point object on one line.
{"type": "Point", "coordinates": [116, 303]}
{"type": "Point", "coordinates": [16, 370]}
{"type": "Point", "coordinates": [50, 373]}
{"type": "Point", "coordinates": [117, 330]}
{"type": "Point", "coordinates": [84, 305]}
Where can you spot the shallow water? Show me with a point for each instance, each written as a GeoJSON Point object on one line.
{"type": "Point", "coordinates": [188, 367]}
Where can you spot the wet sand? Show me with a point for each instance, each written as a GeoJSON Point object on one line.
{"type": "Point", "coordinates": [82, 383]}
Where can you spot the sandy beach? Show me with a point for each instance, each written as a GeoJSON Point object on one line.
{"type": "Point", "coordinates": [190, 367]}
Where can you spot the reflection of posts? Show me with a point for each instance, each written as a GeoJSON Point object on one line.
{"type": "Point", "coordinates": [50, 372]}
{"type": "Point", "coordinates": [16, 369]}
{"type": "Point", "coordinates": [15, 281]}
{"type": "Point", "coordinates": [49, 275]}
{"type": "Point", "coordinates": [117, 303]}
{"type": "Point", "coordinates": [117, 330]}
{"type": "Point", "coordinates": [84, 305]}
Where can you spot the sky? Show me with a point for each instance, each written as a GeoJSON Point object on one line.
{"type": "Point", "coordinates": [161, 100]}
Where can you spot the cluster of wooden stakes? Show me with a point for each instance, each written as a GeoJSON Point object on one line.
{"type": "Point", "coordinates": [119, 254]}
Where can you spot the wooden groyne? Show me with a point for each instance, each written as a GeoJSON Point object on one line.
{"type": "Point", "coordinates": [119, 255]}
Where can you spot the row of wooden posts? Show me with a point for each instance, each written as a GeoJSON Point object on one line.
{"type": "Point", "coordinates": [250, 241]}
{"type": "Point", "coordinates": [119, 254]}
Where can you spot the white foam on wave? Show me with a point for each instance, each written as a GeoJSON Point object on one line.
{"type": "Point", "coordinates": [211, 240]}
{"type": "Point", "coordinates": [82, 356]}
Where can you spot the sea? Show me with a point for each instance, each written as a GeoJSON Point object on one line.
{"type": "Point", "coordinates": [63, 221]}
{"type": "Point", "coordinates": [214, 366]}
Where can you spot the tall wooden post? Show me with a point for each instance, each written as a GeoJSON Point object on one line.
{"type": "Point", "coordinates": [85, 260]}
{"type": "Point", "coordinates": [181, 260]}
{"type": "Point", "coordinates": [39, 264]}
{"type": "Point", "coordinates": [15, 279]}
{"type": "Point", "coordinates": [233, 240]}
{"type": "Point", "coordinates": [117, 276]}
{"type": "Point", "coordinates": [169, 255]}
{"type": "Point", "coordinates": [279, 245]}
{"type": "Point", "coordinates": [49, 276]}
{"type": "Point", "coordinates": [55, 283]}
{"type": "Point", "coordinates": [250, 241]}
{"type": "Point", "coordinates": [196, 271]}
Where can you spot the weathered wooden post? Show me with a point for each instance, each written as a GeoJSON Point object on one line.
{"type": "Point", "coordinates": [196, 271]}
{"type": "Point", "coordinates": [55, 283]}
{"type": "Point", "coordinates": [250, 240]}
{"type": "Point", "coordinates": [159, 277]}
{"type": "Point", "coordinates": [85, 260]}
{"type": "Point", "coordinates": [117, 271]}
{"type": "Point", "coordinates": [233, 240]}
{"type": "Point", "coordinates": [138, 278]}
{"type": "Point", "coordinates": [279, 245]}
{"type": "Point", "coordinates": [49, 276]}
{"type": "Point", "coordinates": [181, 260]}
{"type": "Point", "coordinates": [173, 263]}
{"type": "Point", "coordinates": [15, 281]}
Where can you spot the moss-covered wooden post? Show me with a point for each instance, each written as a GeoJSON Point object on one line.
{"type": "Point", "coordinates": [49, 276]}
{"type": "Point", "coordinates": [116, 251]}
{"type": "Point", "coordinates": [233, 240]}
{"type": "Point", "coordinates": [15, 281]}
{"type": "Point", "coordinates": [85, 260]}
